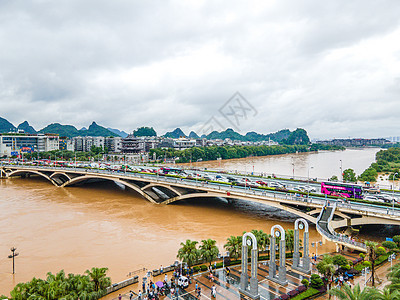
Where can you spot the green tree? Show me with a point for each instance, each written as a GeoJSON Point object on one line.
{"type": "Point", "coordinates": [262, 239]}
{"type": "Point", "coordinates": [326, 267]}
{"type": "Point", "coordinates": [316, 281]}
{"type": "Point", "coordinates": [356, 293]}
{"type": "Point", "coordinates": [188, 253]}
{"type": "Point", "coordinates": [349, 175]}
{"type": "Point", "coordinates": [394, 277]}
{"type": "Point", "coordinates": [340, 260]}
{"type": "Point", "coordinates": [372, 249]}
{"type": "Point", "coordinates": [208, 250]}
{"type": "Point", "coordinates": [386, 294]}
{"type": "Point", "coordinates": [389, 245]}
{"type": "Point", "coordinates": [396, 239]}
{"type": "Point", "coordinates": [99, 278]}
{"type": "Point", "coordinates": [333, 178]}
{"type": "Point", "coordinates": [369, 174]}
{"type": "Point", "coordinates": [233, 246]}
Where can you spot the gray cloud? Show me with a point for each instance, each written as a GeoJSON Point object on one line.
{"type": "Point", "coordinates": [329, 67]}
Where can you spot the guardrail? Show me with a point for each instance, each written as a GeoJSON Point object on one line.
{"type": "Point", "coordinates": [361, 207]}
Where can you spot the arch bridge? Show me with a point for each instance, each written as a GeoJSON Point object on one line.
{"type": "Point", "coordinates": [166, 190]}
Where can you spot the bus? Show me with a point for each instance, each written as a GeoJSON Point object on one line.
{"type": "Point", "coordinates": [346, 190]}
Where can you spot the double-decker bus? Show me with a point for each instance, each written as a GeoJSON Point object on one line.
{"type": "Point", "coordinates": [346, 190]}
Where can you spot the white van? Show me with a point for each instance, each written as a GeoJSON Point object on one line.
{"type": "Point", "coordinates": [183, 282]}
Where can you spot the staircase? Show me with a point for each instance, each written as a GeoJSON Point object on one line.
{"type": "Point", "coordinates": [324, 228]}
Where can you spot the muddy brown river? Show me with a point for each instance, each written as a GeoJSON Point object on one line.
{"type": "Point", "coordinates": [104, 225]}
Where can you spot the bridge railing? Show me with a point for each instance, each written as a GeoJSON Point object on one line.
{"type": "Point", "coordinates": [329, 233]}
{"type": "Point", "coordinates": [279, 195]}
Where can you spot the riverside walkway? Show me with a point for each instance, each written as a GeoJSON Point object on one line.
{"type": "Point", "coordinates": [166, 190]}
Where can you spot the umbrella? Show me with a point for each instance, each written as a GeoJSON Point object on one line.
{"type": "Point", "coordinates": [160, 284]}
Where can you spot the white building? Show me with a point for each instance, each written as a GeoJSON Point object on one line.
{"type": "Point", "coordinates": [14, 143]}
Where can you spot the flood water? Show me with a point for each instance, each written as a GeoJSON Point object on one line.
{"type": "Point", "coordinates": [104, 225]}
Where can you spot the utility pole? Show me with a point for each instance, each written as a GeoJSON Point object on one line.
{"type": "Point", "coordinates": [13, 255]}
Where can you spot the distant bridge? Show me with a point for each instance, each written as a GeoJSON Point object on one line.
{"type": "Point", "coordinates": [165, 190]}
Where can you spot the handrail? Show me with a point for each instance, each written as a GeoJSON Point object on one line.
{"type": "Point", "coordinates": [278, 195]}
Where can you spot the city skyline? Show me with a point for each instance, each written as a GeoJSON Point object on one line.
{"type": "Point", "coordinates": [331, 69]}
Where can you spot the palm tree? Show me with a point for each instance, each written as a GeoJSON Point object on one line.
{"type": "Point", "coordinates": [189, 253]}
{"type": "Point", "coordinates": [262, 239]}
{"type": "Point", "coordinates": [387, 294]}
{"type": "Point", "coordinates": [208, 250]}
{"type": "Point", "coordinates": [372, 249]}
{"type": "Point", "coordinates": [233, 244]}
{"type": "Point", "coordinates": [327, 268]}
{"type": "Point", "coordinates": [99, 278]}
{"type": "Point", "coordinates": [394, 277]}
{"type": "Point", "coordinates": [347, 293]}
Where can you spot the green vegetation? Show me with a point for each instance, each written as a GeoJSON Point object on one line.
{"type": "Point", "coordinates": [59, 286]}
{"type": "Point", "coordinates": [95, 153]}
{"type": "Point", "coordinates": [327, 267]}
{"type": "Point", "coordinates": [297, 137]}
{"type": "Point", "coordinates": [317, 147]}
{"type": "Point", "coordinates": [225, 152]}
{"type": "Point", "coordinates": [305, 282]}
{"type": "Point", "coordinates": [349, 175]}
{"type": "Point", "coordinates": [189, 253]}
{"type": "Point", "coordinates": [70, 131]}
{"type": "Point", "coordinates": [306, 294]}
{"type": "Point", "coordinates": [356, 293]}
{"type": "Point", "coordinates": [389, 245]}
{"type": "Point", "coordinates": [386, 161]}
{"type": "Point", "coordinates": [145, 131]}
{"type": "Point", "coordinates": [208, 250]}
{"type": "Point", "coordinates": [369, 175]}
{"type": "Point", "coordinates": [316, 281]}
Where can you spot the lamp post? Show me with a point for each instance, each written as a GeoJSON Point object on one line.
{"type": "Point", "coordinates": [308, 181]}
{"type": "Point", "coordinates": [293, 169]}
{"type": "Point", "coordinates": [341, 169]}
{"type": "Point", "coordinates": [394, 177]}
{"type": "Point", "coordinates": [315, 244]}
{"type": "Point", "coordinates": [13, 255]}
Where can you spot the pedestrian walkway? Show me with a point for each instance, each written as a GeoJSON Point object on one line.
{"type": "Point", "coordinates": [227, 287]}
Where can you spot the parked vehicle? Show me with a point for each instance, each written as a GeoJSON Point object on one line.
{"type": "Point", "coordinates": [183, 282]}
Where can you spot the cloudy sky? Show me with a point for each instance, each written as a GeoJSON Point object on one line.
{"type": "Point", "coordinates": [331, 67]}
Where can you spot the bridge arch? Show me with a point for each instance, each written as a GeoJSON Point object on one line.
{"type": "Point", "coordinates": [274, 204]}
{"type": "Point", "coordinates": [156, 184]}
{"type": "Point", "coordinates": [127, 184]}
{"type": "Point", "coordinates": [19, 172]}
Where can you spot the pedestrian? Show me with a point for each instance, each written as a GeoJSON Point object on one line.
{"type": "Point", "coordinates": [144, 287]}
{"type": "Point", "coordinates": [161, 269]}
{"type": "Point", "coordinates": [119, 297]}
{"type": "Point", "coordinates": [214, 291]}
{"type": "Point", "coordinates": [139, 295]}
{"type": "Point", "coordinates": [196, 286]}
{"type": "Point", "coordinates": [166, 277]}
{"type": "Point", "coordinates": [199, 292]}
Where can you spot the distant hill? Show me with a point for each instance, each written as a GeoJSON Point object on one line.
{"type": "Point", "coordinates": [61, 130]}
{"type": "Point", "coordinates": [177, 133]}
{"type": "Point", "coordinates": [227, 134]}
{"type": "Point", "coordinates": [118, 132]}
{"type": "Point", "coordinates": [6, 126]}
{"type": "Point", "coordinates": [71, 131]}
{"type": "Point", "coordinates": [145, 131]}
{"type": "Point", "coordinates": [26, 127]}
{"type": "Point", "coordinates": [193, 135]}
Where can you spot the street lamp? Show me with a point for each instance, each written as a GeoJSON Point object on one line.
{"type": "Point", "coordinates": [308, 182]}
{"type": "Point", "coordinates": [341, 169]}
{"type": "Point", "coordinates": [13, 255]}
{"type": "Point", "coordinates": [293, 169]}
{"type": "Point", "coordinates": [394, 176]}
{"type": "Point", "coordinates": [315, 244]}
